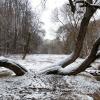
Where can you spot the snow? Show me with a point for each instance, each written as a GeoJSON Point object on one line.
{"type": "Point", "coordinates": [69, 68]}
{"type": "Point", "coordinates": [44, 63]}
{"type": "Point", "coordinates": [38, 62]}
{"type": "Point", "coordinates": [47, 87]}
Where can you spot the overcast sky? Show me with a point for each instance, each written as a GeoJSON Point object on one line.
{"type": "Point", "coordinates": [49, 26]}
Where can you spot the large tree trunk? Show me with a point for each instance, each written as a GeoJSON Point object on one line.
{"type": "Point", "coordinates": [80, 39]}
{"type": "Point", "coordinates": [56, 68]}
{"type": "Point", "coordinates": [86, 63]}
{"type": "Point", "coordinates": [16, 68]}
{"type": "Point", "coordinates": [93, 55]}
{"type": "Point", "coordinates": [75, 67]}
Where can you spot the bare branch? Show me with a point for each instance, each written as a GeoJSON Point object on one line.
{"type": "Point", "coordinates": [87, 4]}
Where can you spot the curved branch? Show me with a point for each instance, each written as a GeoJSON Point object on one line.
{"type": "Point", "coordinates": [81, 35]}
{"type": "Point", "coordinates": [16, 68]}
{"type": "Point", "coordinates": [75, 67]}
{"type": "Point", "coordinates": [86, 63]}
{"type": "Point", "coordinates": [87, 4]}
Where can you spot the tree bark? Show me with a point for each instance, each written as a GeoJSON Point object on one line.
{"type": "Point", "coordinates": [55, 69]}
{"type": "Point", "coordinates": [81, 35]}
{"type": "Point", "coordinates": [86, 64]}
{"type": "Point", "coordinates": [16, 68]}
{"type": "Point", "coordinates": [75, 69]}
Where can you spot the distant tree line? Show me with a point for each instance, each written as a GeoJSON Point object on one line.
{"type": "Point", "coordinates": [64, 42]}
{"type": "Point", "coordinates": [19, 28]}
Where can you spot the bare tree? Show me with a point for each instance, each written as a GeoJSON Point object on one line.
{"type": "Point", "coordinates": [17, 21]}
{"type": "Point", "coordinates": [83, 28]}
{"type": "Point", "coordinates": [19, 31]}
{"type": "Point", "coordinates": [69, 27]}
{"type": "Point", "coordinates": [90, 10]}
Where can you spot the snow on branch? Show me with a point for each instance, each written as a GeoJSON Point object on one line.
{"type": "Point", "coordinates": [15, 67]}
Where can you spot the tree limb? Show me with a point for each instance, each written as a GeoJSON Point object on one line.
{"type": "Point", "coordinates": [87, 4]}
{"type": "Point", "coordinates": [15, 67]}
{"type": "Point", "coordinates": [81, 35]}
{"type": "Point", "coordinates": [86, 63]}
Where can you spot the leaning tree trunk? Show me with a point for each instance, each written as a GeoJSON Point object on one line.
{"type": "Point", "coordinates": [75, 68]}
{"type": "Point", "coordinates": [86, 63]}
{"type": "Point", "coordinates": [60, 66]}
{"type": "Point", "coordinates": [80, 39]}
{"type": "Point", "coordinates": [15, 67]}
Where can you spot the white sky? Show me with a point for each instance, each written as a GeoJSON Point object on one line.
{"type": "Point", "coordinates": [49, 26]}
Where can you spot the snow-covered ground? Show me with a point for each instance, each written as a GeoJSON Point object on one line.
{"type": "Point", "coordinates": [37, 61]}
{"type": "Point", "coordinates": [43, 62]}
{"type": "Point", "coordinates": [33, 86]}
